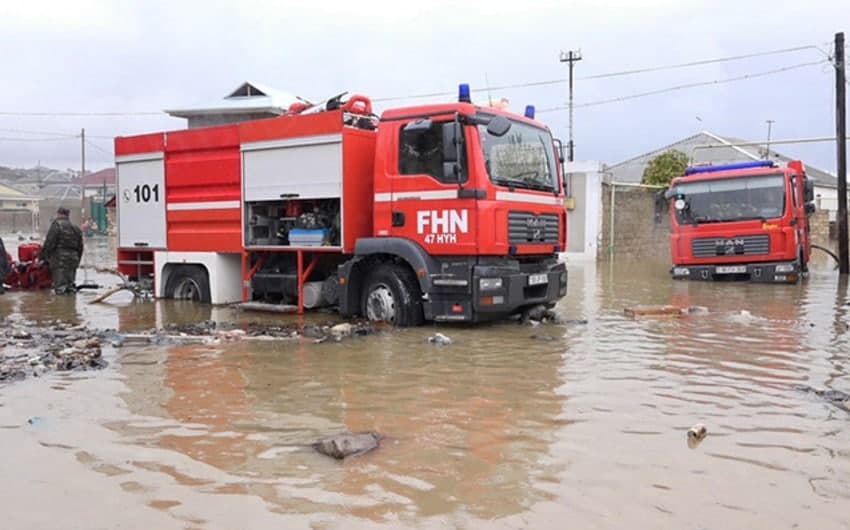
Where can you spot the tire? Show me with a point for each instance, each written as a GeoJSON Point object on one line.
{"type": "Point", "coordinates": [804, 265]}
{"type": "Point", "coordinates": [392, 295]}
{"type": "Point", "coordinates": [188, 282]}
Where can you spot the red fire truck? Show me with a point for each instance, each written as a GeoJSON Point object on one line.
{"type": "Point", "coordinates": [449, 212]}
{"type": "Point", "coordinates": [747, 220]}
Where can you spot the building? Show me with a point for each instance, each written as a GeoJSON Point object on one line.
{"type": "Point", "coordinates": [250, 101]}
{"type": "Point", "coordinates": [99, 184]}
{"type": "Point", "coordinates": [709, 148]}
{"type": "Point", "coordinates": [18, 211]}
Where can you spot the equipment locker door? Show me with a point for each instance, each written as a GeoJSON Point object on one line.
{"type": "Point", "coordinates": [141, 200]}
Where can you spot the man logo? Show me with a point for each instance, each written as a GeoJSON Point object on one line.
{"type": "Point", "coordinates": [729, 246]}
{"type": "Point", "coordinates": [535, 226]}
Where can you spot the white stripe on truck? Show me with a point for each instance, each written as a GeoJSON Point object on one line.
{"type": "Point", "coordinates": [212, 205]}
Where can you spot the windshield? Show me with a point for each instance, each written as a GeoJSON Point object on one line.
{"type": "Point", "coordinates": [522, 158]}
{"type": "Point", "coordinates": [731, 199]}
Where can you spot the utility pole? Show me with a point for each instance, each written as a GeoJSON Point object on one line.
{"type": "Point", "coordinates": [767, 152]}
{"type": "Point", "coordinates": [82, 173]}
{"type": "Point", "coordinates": [571, 57]}
{"type": "Point", "coordinates": [841, 138]}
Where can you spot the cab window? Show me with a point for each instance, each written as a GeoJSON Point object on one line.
{"type": "Point", "coordinates": [421, 153]}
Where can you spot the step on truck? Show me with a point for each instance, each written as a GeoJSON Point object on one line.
{"type": "Point", "coordinates": [446, 212]}
{"type": "Point", "coordinates": [746, 220]}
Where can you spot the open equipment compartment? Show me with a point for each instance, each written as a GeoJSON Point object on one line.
{"type": "Point", "coordinates": [292, 189]}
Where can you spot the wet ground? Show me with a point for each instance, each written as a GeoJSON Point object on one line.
{"type": "Point", "coordinates": [582, 426]}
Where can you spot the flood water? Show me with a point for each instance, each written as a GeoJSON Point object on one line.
{"type": "Point", "coordinates": [498, 430]}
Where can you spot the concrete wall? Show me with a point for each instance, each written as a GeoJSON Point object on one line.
{"type": "Point", "coordinates": [583, 221]}
{"type": "Point", "coordinates": [14, 221]}
{"type": "Point", "coordinates": [636, 235]}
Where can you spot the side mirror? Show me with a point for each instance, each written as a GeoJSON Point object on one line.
{"type": "Point", "coordinates": [810, 208]}
{"type": "Point", "coordinates": [560, 146]}
{"type": "Point", "coordinates": [450, 140]}
{"type": "Point", "coordinates": [808, 190]}
{"type": "Point", "coordinates": [499, 126]}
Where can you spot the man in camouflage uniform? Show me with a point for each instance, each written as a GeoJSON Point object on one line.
{"type": "Point", "coordinates": [5, 266]}
{"type": "Point", "coordinates": [62, 250]}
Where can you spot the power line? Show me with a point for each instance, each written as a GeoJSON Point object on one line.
{"type": "Point", "coordinates": [99, 148]}
{"type": "Point", "coordinates": [18, 139]}
{"type": "Point", "coordinates": [701, 63]}
{"type": "Point", "coordinates": [610, 74]}
{"type": "Point", "coordinates": [83, 114]}
{"type": "Point", "coordinates": [43, 133]}
{"type": "Point", "coordinates": [529, 84]}
{"type": "Point", "coordinates": [688, 85]}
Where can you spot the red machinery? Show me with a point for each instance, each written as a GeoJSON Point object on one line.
{"type": "Point", "coordinates": [436, 212]}
{"type": "Point", "coordinates": [29, 271]}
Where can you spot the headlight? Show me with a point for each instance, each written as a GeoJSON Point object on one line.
{"type": "Point", "coordinates": [785, 267]}
{"type": "Point", "coordinates": [488, 284]}
{"type": "Point", "coordinates": [681, 271]}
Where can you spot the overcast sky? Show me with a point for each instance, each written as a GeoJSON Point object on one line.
{"type": "Point", "coordinates": [107, 56]}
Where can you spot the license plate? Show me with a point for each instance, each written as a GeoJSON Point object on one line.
{"type": "Point", "coordinates": [731, 269]}
{"type": "Point", "coordinates": [538, 279]}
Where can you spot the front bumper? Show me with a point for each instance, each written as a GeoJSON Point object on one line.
{"type": "Point", "coordinates": [763, 272]}
{"type": "Point", "coordinates": [518, 289]}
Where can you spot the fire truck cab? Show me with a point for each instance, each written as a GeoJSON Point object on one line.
{"type": "Point", "coordinates": [747, 220]}
{"type": "Point", "coordinates": [448, 212]}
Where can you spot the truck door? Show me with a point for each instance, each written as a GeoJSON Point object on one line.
{"type": "Point", "coordinates": [141, 200]}
{"type": "Point", "coordinates": [427, 203]}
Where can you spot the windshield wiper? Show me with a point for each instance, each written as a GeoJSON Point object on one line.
{"type": "Point", "coordinates": [514, 182]}
{"type": "Point", "coordinates": [706, 219]}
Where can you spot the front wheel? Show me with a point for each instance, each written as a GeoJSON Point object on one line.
{"type": "Point", "coordinates": [392, 295]}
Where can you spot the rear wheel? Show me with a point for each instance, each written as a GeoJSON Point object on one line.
{"type": "Point", "coordinates": [188, 283]}
{"type": "Point", "coordinates": [392, 295]}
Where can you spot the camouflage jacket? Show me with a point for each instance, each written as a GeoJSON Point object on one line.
{"type": "Point", "coordinates": [63, 239]}
{"type": "Point", "coordinates": [5, 266]}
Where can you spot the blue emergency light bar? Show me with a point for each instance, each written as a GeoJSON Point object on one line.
{"type": "Point", "coordinates": [529, 111]}
{"type": "Point", "coordinates": [727, 167]}
{"type": "Point", "coordinates": [463, 93]}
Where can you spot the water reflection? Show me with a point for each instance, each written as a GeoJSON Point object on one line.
{"type": "Point", "coordinates": [499, 429]}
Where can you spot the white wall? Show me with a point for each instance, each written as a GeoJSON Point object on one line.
{"type": "Point", "coordinates": [587, 215]}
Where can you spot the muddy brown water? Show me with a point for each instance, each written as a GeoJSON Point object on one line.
{"type": "Point", "coordinates": [497, 430]}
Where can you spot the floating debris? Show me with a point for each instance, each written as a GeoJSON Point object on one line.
{"type": "Point", "coordinates": [696, 434]}
{"type": "Point", "coordinates": [347, 444]}
{"type": "Point", "coordinates": [836, 398]}
{"type": "Point", "coordinates": [439, 339]}
{"type": "Point", "coordinates": [540, 314]}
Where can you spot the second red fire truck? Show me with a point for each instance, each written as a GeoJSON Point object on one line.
{"type": "Point", "coordinates": [449, 212]}
{"type": "Point", "coordinates": [746, 220]}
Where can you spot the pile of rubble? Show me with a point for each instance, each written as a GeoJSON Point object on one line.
{"type": "Point", "coordinates": [28, 349]}
{"type": "Point", "coordinates": [211, 332]}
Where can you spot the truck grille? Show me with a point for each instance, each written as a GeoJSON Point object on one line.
{"type": "Point", "coordinates": [706, 247]}
{"type": "Point", "coordinates": [526, 227]}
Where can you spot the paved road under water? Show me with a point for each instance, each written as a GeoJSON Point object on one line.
{"type": "Point", "coordinates": [498, 430]}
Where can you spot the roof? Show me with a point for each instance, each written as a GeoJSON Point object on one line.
{"type": "Point", "coordinates": [99, 178]}
{"type": "Point", "coordinates": [8, 192]}
{"type": "Point", "coordinates": [724, 149]}
{"type": "Point", "coordinates": [61, 191]}
{"type": "Point", "coordinates": [248, 97]}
